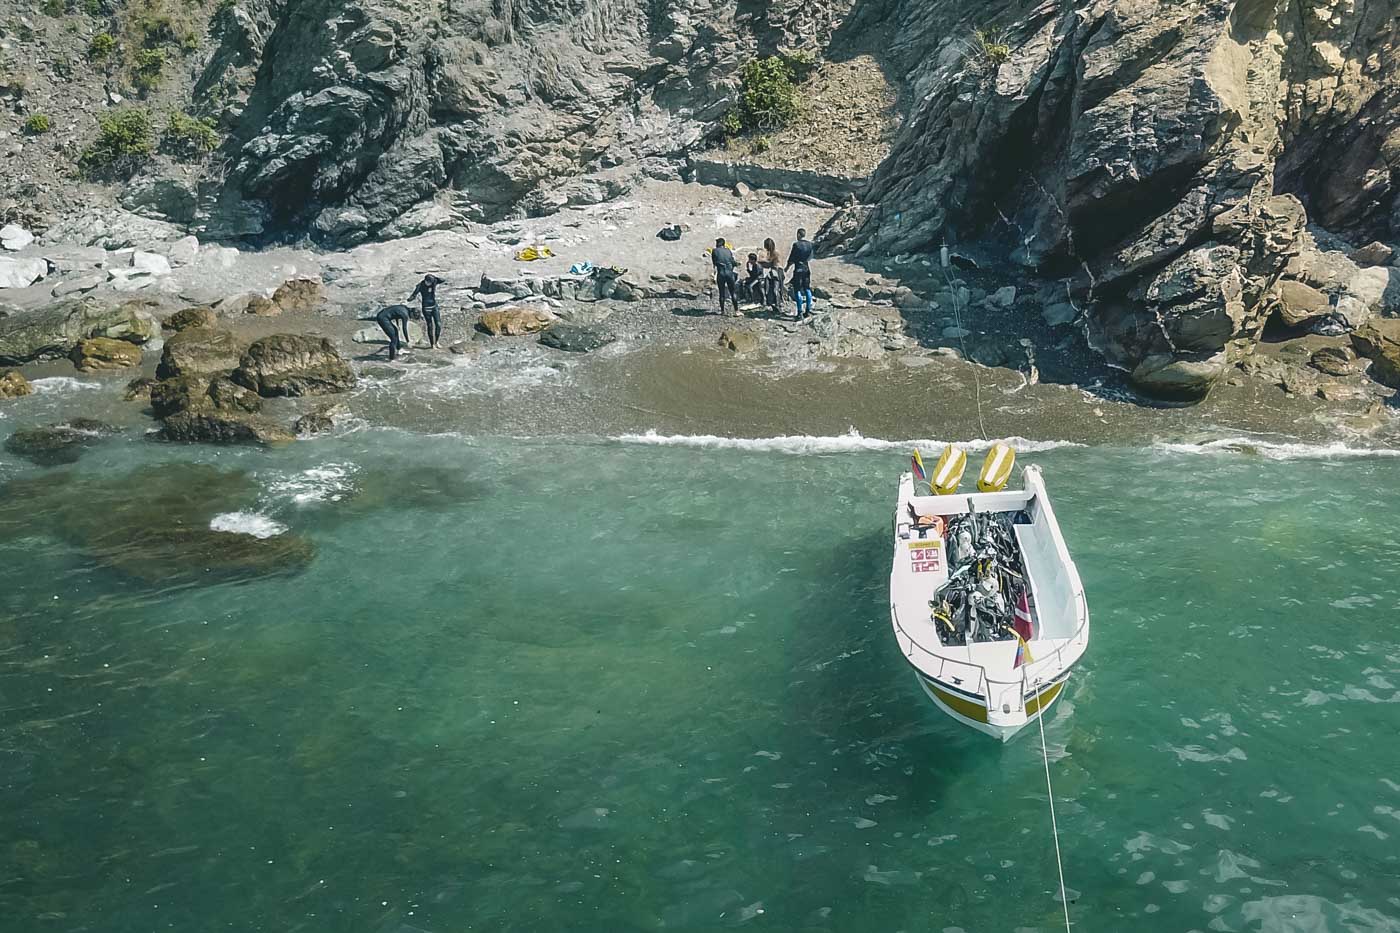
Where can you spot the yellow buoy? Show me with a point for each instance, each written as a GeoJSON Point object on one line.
{"type": "Point", "coordinates": [996, 469]}
{"type": "Point", "coordinates": [948, 473]}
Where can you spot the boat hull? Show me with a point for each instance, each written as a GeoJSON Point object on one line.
{"type": "Point", "coordinates": [973, 713]}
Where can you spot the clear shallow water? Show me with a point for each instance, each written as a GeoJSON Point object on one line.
{"type": "Point", "coordinates": [528, 685]}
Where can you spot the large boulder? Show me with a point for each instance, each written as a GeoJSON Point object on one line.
{"type": "Point", "coordinates": [197, 316]}
{"type": "Point", "coordinates": [56, 444]}
{"type": "Point", "coordinates": [209, 426]}
{"type": "Point", "coordinates": [103, 354]}
{"type": "Point", "coordinates": [53, 332]}
{"type": "Point", "coordinates": [304, 295]}
{"type": "Point", "coordinates": [294, 365]}
{"type": "Point", "coordinates": [199, 351]}
{"type": "Point", "coordinates": [512, 322]}
{"type": "Point", "coordinates": [1299, 303]}
{"type": "Point", "coordinates": [202, 393]}
{"type": "Point", "coordinates": [13, 384]}
{"type": "Point", "coordinates": [739, 341]}
{"type": "Point", "coordinates": [1379, 341]}
{"type": "Point", "coordinates": [1166, 377]}
{"type": "Point", "coordinates": [21, 273]}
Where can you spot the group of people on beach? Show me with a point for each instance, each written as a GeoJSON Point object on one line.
{"type": "Point", "coordinates": [765, 276]}
{"type": "Point", "coordinates": [762, 285]}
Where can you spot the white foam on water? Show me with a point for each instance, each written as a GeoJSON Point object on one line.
{"type": "Point", "coordinates": [504, 373]}
{"type": "Point", "coordinates": [328, 482]}
{"type": "Point", "coordinates": [1276, 450]}
{"type": "Point", "coordinates": [247, 523]}
{"type": "Point", "coordinates": [60, 384]}
{"type": "Point", "coordinates": [851, 441]}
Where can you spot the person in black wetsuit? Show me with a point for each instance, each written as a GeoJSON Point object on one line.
{"type": "Point", "coordinates": [753, 282]}
{"type": "Point", "coordinates": [799, 261]}
{"type": "Point", "coordinates": [725, 276]}
{"type": "Point", "coordinates": [390, 320]}
{"type": "Point", "coordinates": [432, 317]}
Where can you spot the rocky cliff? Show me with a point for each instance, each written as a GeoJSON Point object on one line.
{"type": "Point", "coordinates": [1162, 159]}
{"type": "Point", "coordinates": [371, 118]}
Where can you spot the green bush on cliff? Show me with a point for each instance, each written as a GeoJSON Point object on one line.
{"type": "Point", "coordinates": [37, 124]}
{"type": "Point", "coordinates": [53, 7]}
{"type": "Point", "coordinates": [147, 69]}
{"type": "Point", "coordinates": [125, 139]}
{"type": "Point", "coordinates": [768, 98]}
{"type": "Point", "coordinates": [188, 137]}
{"type": "Point", "coordinates": [101, 47]}
{"type": "Point", "coordinates": [988, 50]}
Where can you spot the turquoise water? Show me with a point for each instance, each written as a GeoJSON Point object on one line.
{"type": "Point", "coordinates": [594, 685]}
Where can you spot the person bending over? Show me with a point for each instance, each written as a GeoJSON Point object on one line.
{"type": "Point", "coordinates": [800, 262]}
{"type": "Point", "coordinates": [725, 277]}
{"type": "Point", "coordinates": [432, 317]}
{"type": "Point", "coordinates": [390, 320]}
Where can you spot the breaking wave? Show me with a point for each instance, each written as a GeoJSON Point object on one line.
{"type": "Point", "coordinates": [851, 441]}
{"type": "Point", "coordinates": [1276, 450]}
{"type": "Point", "coordinates": [247, 523]}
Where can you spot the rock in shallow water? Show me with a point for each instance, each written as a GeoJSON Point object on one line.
{"type": "Point", "coordinates": [154, 523]}
{"type": "Point", "coordinates": [53, 332]}
{"type": "Point", "coordinates": [575, 338]}
{"type": "Point", "coordinates": [211, 426]}
{"type": "Point", "coordinates": [103, 354]}
{"type": "Point", "coordinates": [13, 384]}
{"type": "Point", "coordinates": [294, 365]}
{"type": "Point", "coordinates": [199, 351]}
{"type": "Point", "coordinates": [57, 444]}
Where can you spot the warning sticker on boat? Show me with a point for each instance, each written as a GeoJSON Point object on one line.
{"type": "Point", "coordinates": [925, 556]}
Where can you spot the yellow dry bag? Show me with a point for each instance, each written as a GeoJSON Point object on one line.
{"type": "Point", "coordinates": [948, 473]}
{"type": "Point", "coordinates": [996, 470]}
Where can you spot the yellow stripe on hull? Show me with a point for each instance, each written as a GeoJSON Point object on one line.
{"type": "Point", "coordinates": [974, 714]}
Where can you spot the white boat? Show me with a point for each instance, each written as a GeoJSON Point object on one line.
{"type": "Point", "coordinates": [998, 681]}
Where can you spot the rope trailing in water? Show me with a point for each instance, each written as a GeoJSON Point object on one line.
{"type": "Point", "coordinates": [1054, 824]}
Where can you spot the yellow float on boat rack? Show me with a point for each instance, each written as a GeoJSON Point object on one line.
{"type": "Point", "coordinates": [996, 469]}
{"type": "Point", "coordinates": [948, 473]}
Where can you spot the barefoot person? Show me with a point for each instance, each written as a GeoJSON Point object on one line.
{"type": "Point", "coordinates": [726, 278]}
{"type": "Point", "coordinates": [800, 262]}
{"type": "Point", "coordinates": [432, 317]}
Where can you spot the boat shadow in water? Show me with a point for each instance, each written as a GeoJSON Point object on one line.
{"type": "Point", "coordinates": [849, 685]}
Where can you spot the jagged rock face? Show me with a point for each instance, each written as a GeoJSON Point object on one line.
{"type": "Point", "coordinates": [349, 114]}
{"type": "Point", "coordinates": [1149, 152]}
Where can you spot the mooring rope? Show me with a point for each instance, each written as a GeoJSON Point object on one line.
{"type": "Point", "coordinates": [962, 344]}
{"type": "Point", "coordinates": [1054, 824]}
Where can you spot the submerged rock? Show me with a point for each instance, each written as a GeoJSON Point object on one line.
{"type": "Point", "coordinates": [294, 365]}
{"type": "Point", "coordinates": [103, 354]}
{"type": "Point", "coordinates": [56, 444]}
{"type": "Point", "coordinates": [13, 384]}
{"type": "Point", "coordinates": [154, 523]}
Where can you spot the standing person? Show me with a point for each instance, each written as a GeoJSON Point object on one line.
{"type": "Point", "coordinates": [390, 320]}
{"type": "Point", "coordinates": [772, 275]}
{"type": "Point", "coordinates": [432, 317]}
{"type": "Point", "coordinates": [725, 276]}
{"type": "Point", "coordinates": [800, 262]}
